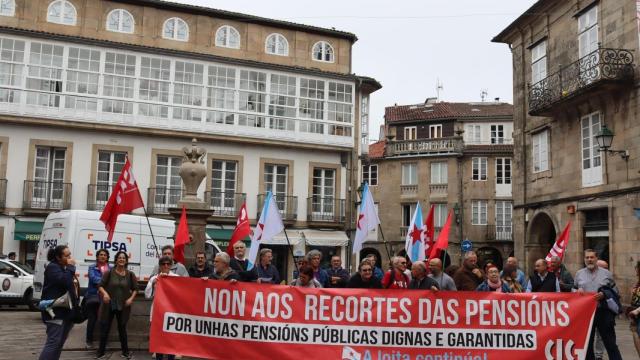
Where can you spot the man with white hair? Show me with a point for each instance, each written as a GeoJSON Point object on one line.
{"type": "Point", "coordinates": [222, 271]}
{"type": "Point", "coordinates": [419, 278]}
{"type": "Point", "coordinates": [395, 278]}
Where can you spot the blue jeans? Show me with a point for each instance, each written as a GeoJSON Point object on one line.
{"type": "Point", "coordinates": [56, 336]}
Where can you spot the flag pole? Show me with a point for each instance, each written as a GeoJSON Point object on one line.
{"type": "Point", "coordinates": [151, 231]}
{"type": "Point", "coordinates": [293, 257]}
{"type": "Point", "coordinates": [384, 242]}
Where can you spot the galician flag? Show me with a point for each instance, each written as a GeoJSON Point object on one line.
{"type": "Point", "coordinates": [269, 225]}
{"type": "Point", "coordinates": [367, 219]}
{"type": "Point", "coordinates": [414, 243]}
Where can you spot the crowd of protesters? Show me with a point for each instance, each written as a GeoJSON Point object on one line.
{"type": "Point", "coordinates": [112, 289]}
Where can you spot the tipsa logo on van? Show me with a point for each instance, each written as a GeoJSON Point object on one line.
{"type": "Point", "coordinates": [111, 246]}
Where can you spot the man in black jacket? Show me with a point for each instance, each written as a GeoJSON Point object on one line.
{"type": "Point", "coordinates": [542, 280]}
{"type": "Point", "coordinates": [201, 269]}
{"type": "Point", "coordinates": [338, 276]}
{"type": "Point", "coordinates": [419, 278]}
{"type": "Point", "coordinates": [239, 264]}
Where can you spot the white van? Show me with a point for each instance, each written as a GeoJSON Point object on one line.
{"type": "Point", "coordinates": [84, 234]}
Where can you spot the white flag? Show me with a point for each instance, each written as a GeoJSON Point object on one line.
{"type": "Point", "coordinates": [367, 219]}
{"type": "Point", "coordinates": [269, 225]}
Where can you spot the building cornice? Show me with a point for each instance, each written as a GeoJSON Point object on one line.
{"type": "Point", "coordinates": [598, 195]}
{"type": "Point", "coordinates": [144, 131]}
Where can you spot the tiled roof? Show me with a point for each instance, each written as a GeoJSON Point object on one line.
{"type": "Point", "coordinates": [494, 148]}
{"type": "Point", "coordinates": [447, 110]}
{"type": "Point", "coordinates": [376, 150]}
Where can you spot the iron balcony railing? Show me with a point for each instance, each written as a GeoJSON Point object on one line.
{"type": "Point", "coordinates": [98, 195]}
{"type": "Point", "coordinates": [225, 203]}
{"type": "Point", "coordinates": [604, 64]}
{"type": "Point", "coordinates": [46, 195]}
{"type": "Point", "coordinates": [325, 209]}
{"type": "Point", "coordinates": [3, 193]}
{"type": "Point", "coordinates": [160, 199]}
{"type": "Point", "coordinates": [288, 206]}
{"type": "Point", "coordinates": [502, 232]}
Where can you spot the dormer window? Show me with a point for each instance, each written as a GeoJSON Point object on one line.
{"type": "Point", "coordinates": [120, 20]}
{"type": "Point", "coordinates": [323, 51]}
{"type": "Point", "coordinates": [227, 36]}
{"type": "Point", "coordinates": [277, 44]}
{"type": "Point", "coordinates": [175, 29]}
{"type": "Point", "coordinates": [62, 12]}
{"type": "Point", "coordinates": [7, 7]}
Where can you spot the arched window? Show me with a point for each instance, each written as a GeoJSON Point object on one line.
{"type": "Point", "coordinates": [62, 12]}
{"type": "Point", "coordinates": [323, 51]}
{"type": "Point", "coordinates": [7, 7]}
{"type": "Point", "coordinates": [277, 44]}
{"type": "Point", "coordinates": [175, 29]}
{"type": "Point", "coordinates": [228, 36]}
{"type": "Point", "coordinates": [120, 20]}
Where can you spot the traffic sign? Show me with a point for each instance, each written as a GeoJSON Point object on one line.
{"type": "Point", "coordinates": [466, 245]}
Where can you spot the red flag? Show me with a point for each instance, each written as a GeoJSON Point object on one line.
{"type": "Point", "coordinates": [124, 199]}
{"type": "Point", "coordinates": [182, 237]}
{"type": "Point", "coordinates": [561, 244]}
{"type": "Point", "coordinates": [443, 239]}
{"type": "Point", "coordinates": [429, 233]}
{"type": "Point", "coordinates": [242, 229]}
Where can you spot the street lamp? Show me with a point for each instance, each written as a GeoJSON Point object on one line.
{"type": "Point", "coordinates": [456, 212]}
{"type": "Point", "coordinates": [605, 139]}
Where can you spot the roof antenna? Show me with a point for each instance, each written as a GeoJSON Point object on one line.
{"type": "Point", "coordinates": [439, 87]}
{"type": "Point", "coordinates": [483, 94]}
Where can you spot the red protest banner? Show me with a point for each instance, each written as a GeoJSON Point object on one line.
{"type": "Point", "coordinates": [219, 320]}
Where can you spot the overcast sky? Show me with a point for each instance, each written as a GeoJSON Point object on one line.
{"type": "Point", "coordinates": [408, 44]}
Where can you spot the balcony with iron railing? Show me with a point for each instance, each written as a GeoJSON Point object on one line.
{"type": "Point", "coordinates": [326, 210]}
{"type": "Point", "coordinates": [287, 204]}
{"type": "Point", "coordinates": [604, 69]}
{"type": "Point", "coordinates": [161, 199]}
{"type": "Point", "coordinates": [225, 203]}
{"type": "Point", "coordinates": [46, 195]}
{"type": "Point", "coordinates": [3, 193]}
{"type": "Point", "coordinates": [499, 233]}
{"type": "Point", "coordinates": [98, 195]}
{"type": "Point", "coordinates": [437, 146]}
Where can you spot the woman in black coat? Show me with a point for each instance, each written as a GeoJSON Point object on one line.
{"type": "Point", "coordinates": [59, 279]}
{"type": "Point", "coordinates": [364, 278]}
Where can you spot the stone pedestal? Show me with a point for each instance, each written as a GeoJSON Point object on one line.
{"type": "Point", "coordinates": [197, 214]}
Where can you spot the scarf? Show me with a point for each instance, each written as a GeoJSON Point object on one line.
{"type": "Point", "coordinates": [495, 286]}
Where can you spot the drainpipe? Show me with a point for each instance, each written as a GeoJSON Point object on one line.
{"type": "Point", "coordinates": [524, 148]}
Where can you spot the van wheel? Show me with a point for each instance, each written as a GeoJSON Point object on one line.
{"type": "Point", "coordinates": [28, 300]}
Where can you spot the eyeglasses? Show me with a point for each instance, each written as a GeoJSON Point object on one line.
{"type": "Point", "coordinates": [403, 263]}
{"type": "Point", "coordinates": [165, 264]}
{"type": "Point", "coordinates": [366, 270]}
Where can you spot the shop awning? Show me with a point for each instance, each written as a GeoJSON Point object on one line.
{"type": "Point", "coordinates": [295, 237]}
{"type": "Point", "coordinates": [28, 230]}
{"type": "Point", "coordinates": [325, 238]}
{"type": "Point", "coordinates": [222, 236]}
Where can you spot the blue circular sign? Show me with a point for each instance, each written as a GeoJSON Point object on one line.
{"type": "Point", "coordinates": [466, 245]}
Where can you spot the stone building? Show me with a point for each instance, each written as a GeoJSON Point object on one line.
{"type": "Point", "coordinates": [574, 79]}
{"type": "Point", "coordinates": [84, 83]}
{"type": "Point", "coordinates": [454, 156]}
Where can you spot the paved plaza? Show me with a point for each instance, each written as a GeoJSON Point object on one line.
{"type": "Point", "coordinates": [23, 335]}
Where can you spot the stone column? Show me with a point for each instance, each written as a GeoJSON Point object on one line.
{"type": "Point", "coordinates": [192, 171]}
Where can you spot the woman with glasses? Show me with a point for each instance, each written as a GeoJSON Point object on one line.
{"type": "Point", "coordinates": [364, 278]}
{"type": "Point", "coordinates": [164, 269]}
{"type": "Point", "coordinates": [118, 288]}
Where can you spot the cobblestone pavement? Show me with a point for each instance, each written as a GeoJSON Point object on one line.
{"type": "Point", "coordinates": [22, 336]}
